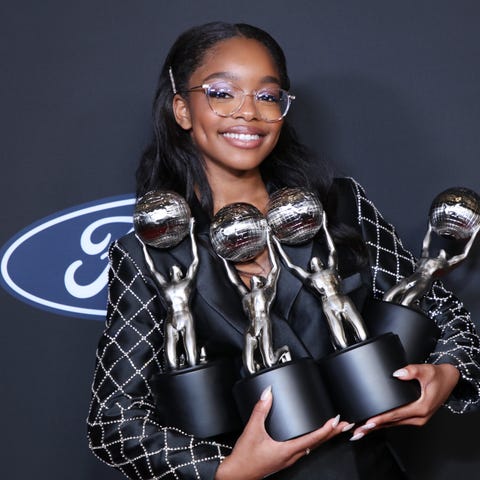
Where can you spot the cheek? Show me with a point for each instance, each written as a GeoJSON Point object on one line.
{"type": "Point", "coordinates": [201, 133]}
{"type": "Point", "coordinates": [276, 133]}
{"type": "Point", "coordinates": [204, 122]}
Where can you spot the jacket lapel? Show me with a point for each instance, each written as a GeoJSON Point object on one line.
{"type": "Point", "coordinates": [288, 284]}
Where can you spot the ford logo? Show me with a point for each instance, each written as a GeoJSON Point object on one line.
{"type": "Point", "coordinates": [60, 263]}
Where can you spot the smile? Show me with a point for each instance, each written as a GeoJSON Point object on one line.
{"type": "Point", "coordinates": [244, 137]}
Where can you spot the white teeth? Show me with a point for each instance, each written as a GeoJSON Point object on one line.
{"type": "Point", "coordinates": [245, 137]}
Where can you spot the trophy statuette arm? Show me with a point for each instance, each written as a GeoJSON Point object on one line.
{"type": "Point", "coordinates": [332, 257]}
{"type": "Point", "coordinates": [157, 276]}
{"type": "Point", "coordinates": [234, 278]}
{"type": "Point", "coordinates": [426, 241]}
{"type": "Point", "coordinates": [299, 272]}
{"type": "Point", "coordinates": [271, 281]}
{"type": "Point", "coordinates": [461, 256]}
{"type": "Point", "coordinates": [192, 269]}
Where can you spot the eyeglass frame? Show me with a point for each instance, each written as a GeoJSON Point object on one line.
{"type": "Point", "coordinates": [205, 86]}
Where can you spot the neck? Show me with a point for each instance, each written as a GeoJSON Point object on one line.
{"type": "Point", "coordinates": [248, 187]}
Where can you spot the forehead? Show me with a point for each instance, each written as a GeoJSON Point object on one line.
{"type": "Point", "coordinates": [239, 57]}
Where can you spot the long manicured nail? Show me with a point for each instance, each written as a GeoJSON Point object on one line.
{"type": "Point", "coordinates": [356, 437]}
{"type": "Point", "coordinates": [402, 372]}
{"type": "Point", "coordinates": [266, 393]}
{"type": "Point", "coordinates": [336, 421]}
{"type": "Point", "coordinates": [369, 426]}
{"type": "Point", "coordinates": [348, 427]}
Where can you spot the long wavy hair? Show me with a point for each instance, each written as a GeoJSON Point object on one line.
{"type": "Point", "coordinates": [172, 161]}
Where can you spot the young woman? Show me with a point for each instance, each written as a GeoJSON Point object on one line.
{"type": "Point", "coordinates": [214, 155]}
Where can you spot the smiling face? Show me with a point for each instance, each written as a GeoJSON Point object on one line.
{"type": "Point", "coordinates": [238, 144]}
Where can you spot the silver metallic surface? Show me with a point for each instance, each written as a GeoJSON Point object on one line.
{"type": "Point", "coordinates": [238, 232]}
{"type": "Point", "coordinates": [325, 282]}
{"type": "Point", "coordinates": [294, 215]}
{"type": "Point", "coordinates": [455, 213]}
{"type": "Point", "coordinates": [257, 302]}
{"type": "Point", "coordinates": [161, 218]}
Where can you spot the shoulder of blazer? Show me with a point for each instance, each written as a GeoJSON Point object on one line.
{"type": "Point", "coordinates": [342, 201]}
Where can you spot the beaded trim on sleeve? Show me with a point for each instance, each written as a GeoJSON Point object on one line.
{"type": "Point", "coordinates": [130, 348]}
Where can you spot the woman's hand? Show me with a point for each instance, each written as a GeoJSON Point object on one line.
{"type": "Point", "coordinates": [256, 454]}
{"type": "Point", "coordinates": [436, 381]}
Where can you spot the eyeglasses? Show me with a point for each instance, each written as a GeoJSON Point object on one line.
{"type": "Point", "coordinates": [226, 99]}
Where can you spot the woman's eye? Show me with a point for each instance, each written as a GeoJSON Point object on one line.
{"type": "Point", "coordinates": [221, 93]}
{"type": "Point", "coordinates": [269, 96]}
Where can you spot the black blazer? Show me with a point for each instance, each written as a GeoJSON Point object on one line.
{"type": "Point", "coordinates": [123, 428]}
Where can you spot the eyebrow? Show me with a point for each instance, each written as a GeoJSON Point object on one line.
{"type": "Point", "coordinates": [231, 76]}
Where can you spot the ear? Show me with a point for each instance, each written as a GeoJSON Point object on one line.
{"type": "Point", "coordinates": [182, 112]}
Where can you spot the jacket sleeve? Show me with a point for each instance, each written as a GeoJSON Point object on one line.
{"type": "Point", "coordinates": [459, 343]}
{"type": "Point", "coordinates": [122, 427]}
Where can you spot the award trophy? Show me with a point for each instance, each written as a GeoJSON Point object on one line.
{"type": "Point", "coordinates": [239, 232]}
{"type": "Point", "coordinates": [454, 220]}
{"type": "Point", "coordinates": [358, 374]}
{"type": "Point", "coordinates": [194, 393]}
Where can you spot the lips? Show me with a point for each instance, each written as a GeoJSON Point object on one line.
{"type": "Point", "coordinates": [244, 136]}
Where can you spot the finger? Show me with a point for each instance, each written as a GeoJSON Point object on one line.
{"type": "Point", "coordinates": [389, 417]}
{"type": "Point", "coordinates": [416, 413]}
{"type": "Point", "coordinates": [413, 421]}
{"type": "Point", "coordinates": [330, 428]}
{"type": "Point", "coordinates": [381, 421]}
{"type": "Point", "coordinates": [261, 409]}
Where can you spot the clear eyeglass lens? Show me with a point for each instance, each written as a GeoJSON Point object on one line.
{"type": "Point", "coordinates": [225, 99]}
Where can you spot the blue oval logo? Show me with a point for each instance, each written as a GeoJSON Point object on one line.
{"type": "Point", "coordinates": [60, 263]}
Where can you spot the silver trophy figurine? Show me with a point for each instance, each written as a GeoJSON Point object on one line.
{"type": "Point", "coordinates": [454, 219]}
{"type": "Point", "coordinates": [454, 213]}
{"type": "Point", "coordinates": [257, 302]}
{"type": "Point", "coordinates": [295, 217]}
{"type": "Point", "coordinates": [239, 232]}
{"type": "Point", "coordinates": [176, 293]}
{"type": "Point", "coordinates": [161, 220]}
{"type": "Point", "coordinates": [199, 399]}
{"type": "Point", "coordinates": [322, 279]}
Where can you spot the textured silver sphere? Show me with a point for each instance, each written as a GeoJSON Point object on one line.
{"type": "Point", "coordinates": [161, 218]}
{"type": "Point", "coordinates": [294, 215]}
{"type": "Point", "coordinates": [239, 232]}
{"type": "Point", "coordinates": [455, 213]}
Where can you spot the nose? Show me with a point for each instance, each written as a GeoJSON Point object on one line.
{"type": "Point", "coordinates": [248, 108]}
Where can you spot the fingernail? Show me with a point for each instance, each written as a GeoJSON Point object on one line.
{"type": "Point", "coordinates": [358, 436]}
{"type": "Point", "coordinates": [336, 421]}
{"type": "Point", "coordinates": [369, 426]}
{"type": "Point", "coordinates": [400, 373]}
{"type": "Point", "coordinates": [348, 427]}
{"type": "Point", "coordinates": [266, 393]}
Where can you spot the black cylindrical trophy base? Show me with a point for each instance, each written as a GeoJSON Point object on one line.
{"type": "Point", "coordinates": [417, 332]}
{"type": "Point", "coordinates": [360, 382]}
{"type": "Point", "coordinates": [198, 400]}
{"type": "Point", "coordinates": [300, 401]}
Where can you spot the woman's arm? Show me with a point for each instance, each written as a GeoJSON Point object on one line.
{"type": "Point", "coordinates": [459, 344]}
{"type": "Point", "coordinates": [123, 429]}
{"type": "Point", "coordinates": [256, 455]}
{"type": "Point", "coordinates": [452, 376]}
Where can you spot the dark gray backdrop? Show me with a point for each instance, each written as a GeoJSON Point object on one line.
{"type": "Point", "coordinates": [388, 91]}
